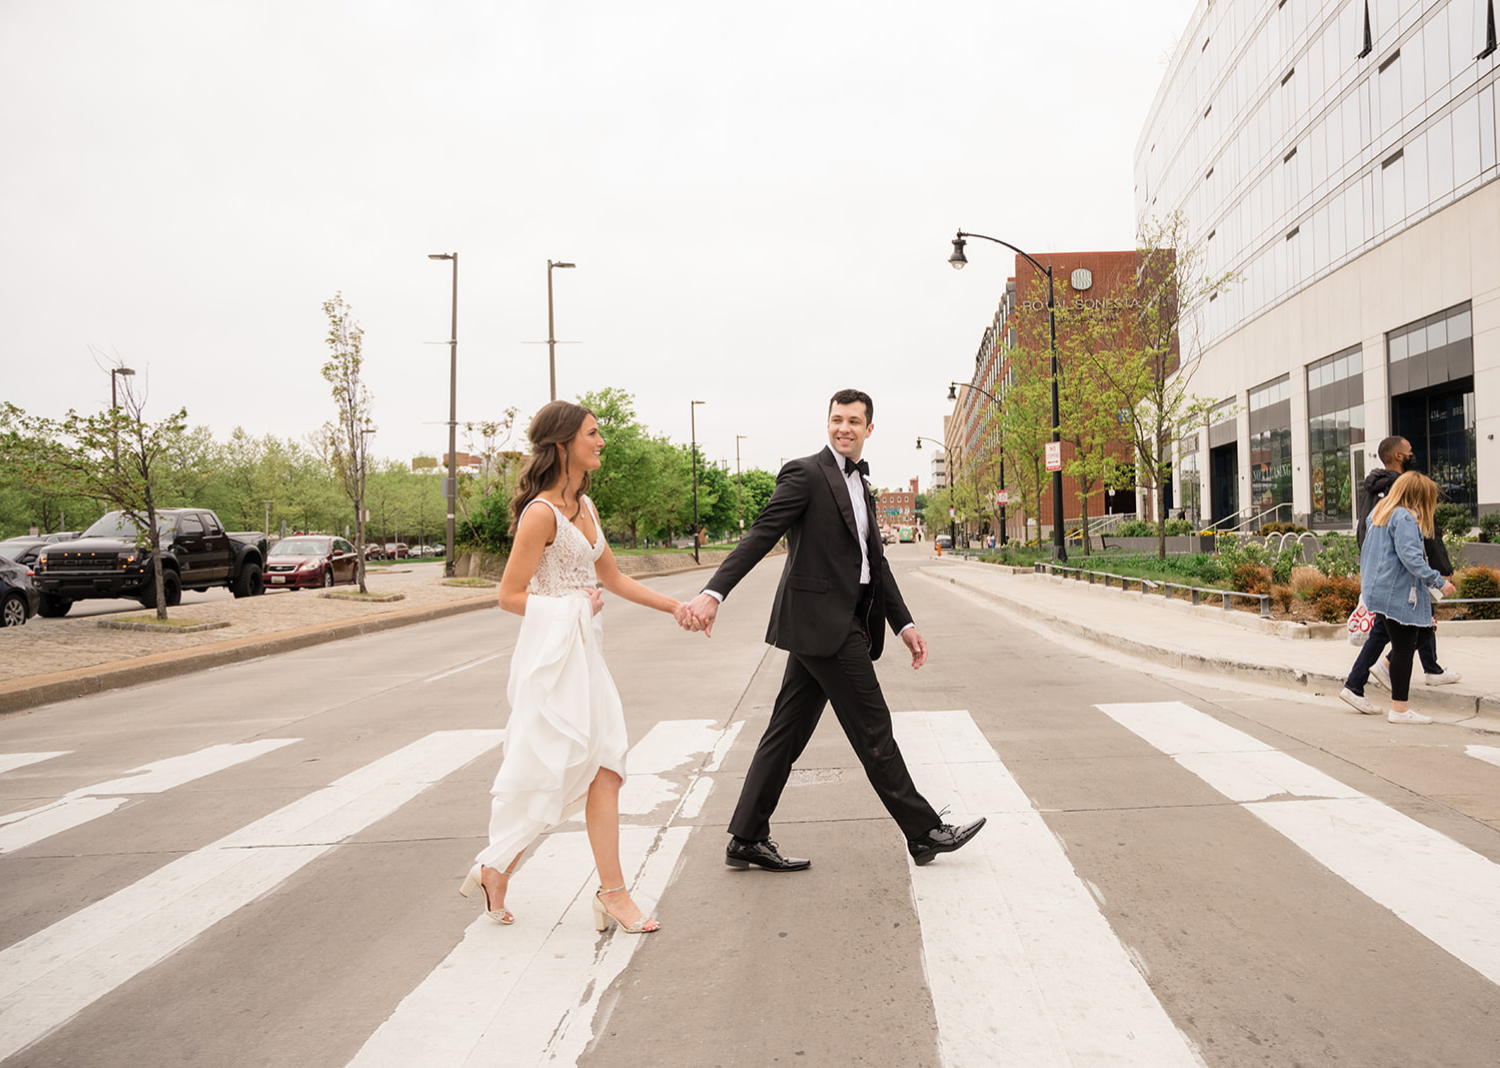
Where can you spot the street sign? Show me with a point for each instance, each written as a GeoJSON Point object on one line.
{"type": "Point", "coordinates": [1054, 456]}
{"type": "Point", "coordinates": [1002, 497]}
{"type": "Point", "coordinates": [952, 512]}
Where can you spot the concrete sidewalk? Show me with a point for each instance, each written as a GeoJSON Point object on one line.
{"type": "Point", "coordinates": [1238, 644]}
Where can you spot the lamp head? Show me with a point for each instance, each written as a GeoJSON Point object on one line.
{"type": "Point", "coordinates": [122, 371]}
{"type": "Point", "coordinates": [551, 265]}
{"type": "Point", "coordinates": [952, 391]}
{"type": "Point", "coordinates": [958, 259]}
{"type": "Point", "coordinates": [919, 443]}
{"type": "Point", "coordinates": [440, 255]}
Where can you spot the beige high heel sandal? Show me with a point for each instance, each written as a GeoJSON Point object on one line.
{"type": "Point", "coordinates": [602, 916]}
{"type": "Point", "coordinates": [476, 878]}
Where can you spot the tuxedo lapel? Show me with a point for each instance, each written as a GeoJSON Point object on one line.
{"type": "Point", "coordinates": [834, 474]}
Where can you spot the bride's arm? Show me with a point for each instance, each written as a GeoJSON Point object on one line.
{"type": "Point", "coordinates": [535, 531]}
{"type": "Point", "coordinates": [622, 585]}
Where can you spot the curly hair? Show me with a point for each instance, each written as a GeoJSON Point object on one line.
{"type": "Point", "coordinates": [556, 423]}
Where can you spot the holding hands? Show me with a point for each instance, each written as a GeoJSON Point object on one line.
{"type": "Point", "coordinates": [698, 614]}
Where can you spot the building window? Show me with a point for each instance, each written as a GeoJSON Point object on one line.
{"type": "Point", "coordinates": [1431, 368]}
{"type": "Point", "coordinates": [1271, 449]}
{"type": "Point", "coordinates": [1335, 434]}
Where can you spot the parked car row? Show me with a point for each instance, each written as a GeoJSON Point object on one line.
{"type": "Point", "coordinates": [19, 597]}
{"type": "Point", "coordinates": [311, 561]}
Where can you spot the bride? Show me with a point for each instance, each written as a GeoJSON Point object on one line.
{"type": "Point", "coordinates": [566, 735]}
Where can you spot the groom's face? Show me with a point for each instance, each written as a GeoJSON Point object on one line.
{"type": "Point", "coordinates": [848, 428]}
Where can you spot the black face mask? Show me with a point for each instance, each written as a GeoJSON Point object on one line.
{"type": "Point", "coordinates": [1408, 463]}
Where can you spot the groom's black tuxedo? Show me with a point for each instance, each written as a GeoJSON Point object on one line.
{"type": "Point", "coordinates": [819, 590]}
{"type": "Point", "coordinates": [831, 627]}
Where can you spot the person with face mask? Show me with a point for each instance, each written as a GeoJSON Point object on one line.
{"type": "Point", "coordinates": [1395, 453]}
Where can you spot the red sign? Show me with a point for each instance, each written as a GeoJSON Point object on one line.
{"type": "Point", "coordinates": [1002, 497]}
{"type": "Point", "coordinates": [1054, 456]}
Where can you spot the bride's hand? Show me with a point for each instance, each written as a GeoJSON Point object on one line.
{"type": "Point", "coordinates": [596, 600]}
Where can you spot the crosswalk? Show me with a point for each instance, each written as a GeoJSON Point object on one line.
{"type": "Point", "coordinates": [536, 993]}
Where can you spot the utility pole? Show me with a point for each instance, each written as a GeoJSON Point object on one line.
{"type": "Point", "coordinates": [739, 501]}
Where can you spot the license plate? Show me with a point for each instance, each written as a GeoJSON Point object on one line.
{"type": "Point", "coordinates": [278, 578]}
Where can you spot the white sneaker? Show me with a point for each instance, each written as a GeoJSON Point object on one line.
{"type": "Point", "coordinates": [1407, 717]}
{"type": "Point", "coordinates": [1446, 677]}
{"type": "Point", "coordinates": [1358, 701]}
{"type": "Point", "coordinates": [1381, 673]}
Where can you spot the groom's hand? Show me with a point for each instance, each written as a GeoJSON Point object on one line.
{"type": "Point", "coordinates": [918, 646]}
{"type": "Point", "coordinates": [704, 608]}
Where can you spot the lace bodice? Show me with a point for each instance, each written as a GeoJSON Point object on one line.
{"type": "Point", "coordinates": [567, 565]}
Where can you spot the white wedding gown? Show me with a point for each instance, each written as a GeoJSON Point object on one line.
{"type": "Point", "coordinates": [566, 720]}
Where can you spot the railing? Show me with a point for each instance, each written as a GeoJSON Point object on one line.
{"type": "Point", "coordinates": [1254, 523]}
{"type": "Point", "coordinates": [1196, 593]}
{"type": "Point", "coordinates": [1230, 518]}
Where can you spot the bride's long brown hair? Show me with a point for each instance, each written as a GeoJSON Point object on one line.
{"type": "Point", "coordinates": [556, 423]}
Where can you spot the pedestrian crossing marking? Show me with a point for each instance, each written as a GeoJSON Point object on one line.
{"type": "Point", "coordinates": [77, 807]}
{"type": "Point", "coordinates": [1442, 889]}
{"type": "Point", "coordinates": [1488, 753]}
{"type": "Point", "coordinates": [12, 761]}
{"type": "Point", "coordinates": [51, 976]}
{"type": "Point", "coordinates": [1071, 993]}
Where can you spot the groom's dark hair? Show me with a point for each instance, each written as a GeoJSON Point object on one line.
{"type": "Point", "coordinates": [855, 396]}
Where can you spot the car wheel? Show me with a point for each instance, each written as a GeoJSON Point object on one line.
{"type": "Point", "coordinates": [250, 583]}
{"type": "Point", "coordinates": [171, 586]}
{"type": "Point", "coordinates": [13, 611]}
{"type": "Point", "coordinates": [327, 577]}
{"type": "Point", "coordinates": [53, 606]}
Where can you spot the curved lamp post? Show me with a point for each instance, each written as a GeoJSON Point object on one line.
{"type": "Point", "coordinates": [452, 487]}
{"type": "Point", "coordinates": [693, 423]}
{"type": "Point", "coordinates": [952, 525]}
{"type": "Point", "coordinates": [958, 260]}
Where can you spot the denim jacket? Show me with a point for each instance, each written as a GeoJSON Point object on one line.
{"type": "Point", "coordinates": [1394, 575]}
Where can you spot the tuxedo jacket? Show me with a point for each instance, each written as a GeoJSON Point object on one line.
{"type": "Point", "coordinates": [819, 590]}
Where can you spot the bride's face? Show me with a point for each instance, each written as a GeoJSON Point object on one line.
{"type": "Point", "coordinates": [584, 449]}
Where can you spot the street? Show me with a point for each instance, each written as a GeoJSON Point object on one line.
{"type": "Point", "coordinates": [257, 865]}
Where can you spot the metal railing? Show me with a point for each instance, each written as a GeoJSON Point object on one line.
{"type": "Point", "coordinates": [1196, 593]}
{"type": "Point", "coordinates": [1254, 523]}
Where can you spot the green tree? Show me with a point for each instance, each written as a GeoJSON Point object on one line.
{"type": "Point", "coordinates": [345, 439]}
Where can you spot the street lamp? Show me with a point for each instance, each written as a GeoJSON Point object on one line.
{"type": "Point", "coordinates": [452, 487]}
{"type": "Point", "coordinates": [958, 259]}
{"type": "Point", "coordinates": [693, 423]}
{"type": "Point", "coordinates": [114, 405]}
{"type": "Point", "coordinates": [953, 396]}
{"type": "Point", "coordinates": [551, 338]}
{"type": "Point", "coordinates": [739, 500]}
{"type": "Point", "coordinates": [948, 464]}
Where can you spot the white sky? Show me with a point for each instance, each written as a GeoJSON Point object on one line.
{"type": "Point", "coordinates": [759, 199]}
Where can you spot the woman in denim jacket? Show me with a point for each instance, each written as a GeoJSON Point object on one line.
{"type": "Point", "coordinates": [1395, 578]}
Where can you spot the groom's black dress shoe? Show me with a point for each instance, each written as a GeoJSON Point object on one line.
{"type": "Point", "coordinates": [945, 838]}
{"type": "Point", "coordinates": [743, 854]}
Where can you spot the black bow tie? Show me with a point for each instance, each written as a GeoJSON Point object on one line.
{"type": "Point", "coordinates": [850, 467]}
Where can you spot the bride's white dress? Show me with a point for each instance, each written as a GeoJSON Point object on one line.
{"type": "Point", "coordinates": [566, 720]}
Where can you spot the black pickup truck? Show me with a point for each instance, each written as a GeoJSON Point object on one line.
{"type": "Point", "coordinates": [107, 561]}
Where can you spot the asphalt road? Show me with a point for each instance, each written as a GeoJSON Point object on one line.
{"type": "Point", "coordinates": [1176, 871]}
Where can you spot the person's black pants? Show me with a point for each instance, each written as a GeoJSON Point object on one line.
{"type": "Point", "coordinates": [1404, 642]}
{"type": "Point", "coordinates": [847, 681]}
{"type": "Point", "coordinates": [1375, 644]}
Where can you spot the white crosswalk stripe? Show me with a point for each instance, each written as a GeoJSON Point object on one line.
{"type": "Point", "coordinates": [12, 761]}
{"type": "Point", "coordinates": [1072, 995]}
{"type": "Point", "coordinates": [49, 977]}
{"type": "Point", "coordinates": [21, 829]}
{"type": "Point", "coordinates": [528, 994]}
{"type": "Point", "coordinates": [1441, 888]}
{"type": "Point", "coordinates": [1488, 753]}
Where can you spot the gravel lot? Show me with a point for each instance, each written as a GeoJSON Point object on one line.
{"type": "Point", "coordinates": [66, 644]}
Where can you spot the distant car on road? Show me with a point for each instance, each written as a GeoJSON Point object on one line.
{"type": "Point", "coordinates": [19, 597]}
{"type": "Point", "coordinates": [397, 550]}
{"type": "Point", "coordinates": [944, 541]}
{"type": "Point", "coordinates": [374, 552]}
{"type": "Point", "coordinates": [309, 561]}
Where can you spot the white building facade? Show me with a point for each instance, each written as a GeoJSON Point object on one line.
{"type": "Point", "coordinates": [1340, 159]}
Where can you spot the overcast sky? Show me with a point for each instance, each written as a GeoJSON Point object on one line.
{"type": "Point", "coordinates": [759, 200]}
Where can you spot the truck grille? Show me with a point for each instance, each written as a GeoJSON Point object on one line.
{"type": "Point", "coordinates": [62, 560]}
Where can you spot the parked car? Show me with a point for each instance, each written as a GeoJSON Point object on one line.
{"type": "Point", "coordinates": [22, 550]}
{"type": "Point", "coordinates": [109, 560]}
{"type": "Point", "coordinates": [298, 563]}
{"type": "Point", "coordinates": [944, 541]}
{"type": "Point", "coordinates": [19, 597]}
{"type": "Point", "coordinates": [374, 552]}
{"type": "Point", "coordinates": [396, 550]}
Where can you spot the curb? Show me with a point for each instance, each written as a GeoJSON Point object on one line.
{"type": "Point", "coordinates": [1442, 699]}
{"type": "Point", "coordinates": [21, 694]}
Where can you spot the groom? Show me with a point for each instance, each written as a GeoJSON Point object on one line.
{"type": "Point", "coordinates": [835, 591]}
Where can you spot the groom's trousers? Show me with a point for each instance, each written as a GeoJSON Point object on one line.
{"type": "Point", "coordinates": [847, 681]}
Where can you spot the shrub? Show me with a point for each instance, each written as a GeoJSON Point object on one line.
{"type": "Point", "coordinates": [1179, 527]}
{"type": "Point", "coordinates": [1135, 528]}
{"type": "Point", "coordinates": [1251, 578]}
{"type": "Point", "coordinates": [1479, 582]}
{"type": "Point", "coordinates": [1334, 597]}
{"type": "Point", "coordinates": [1304, 579]}
{"type": "Point", "coordinates": [1282, 597]}
{"type": "Point", "coordinates": [1489, 527]}
{"type": "Point", "coordinates": [1452, 519]}
{"type": "Point", "coordinates": [1289, 557]}
{"type": "Point", "coordinates": [1339, 555]}
{"type": "Point", "coordinates": [1234, 550]}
